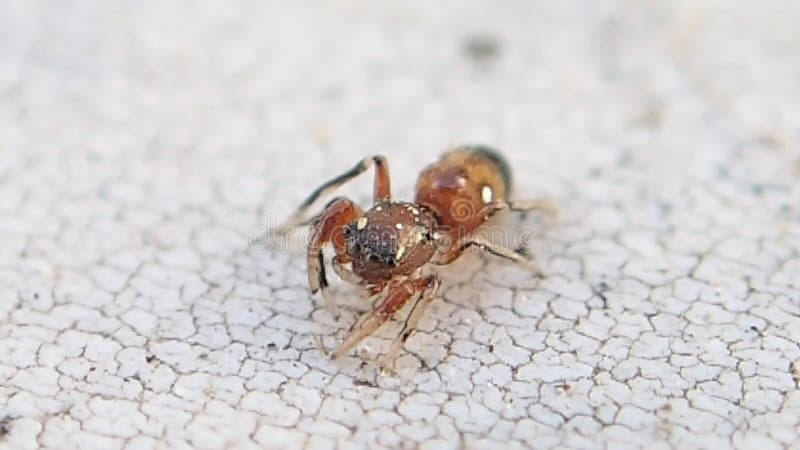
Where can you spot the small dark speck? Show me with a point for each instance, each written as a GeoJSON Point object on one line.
{"type": "Point", "coordinates": [92, 369]}
{"type": "Point", "coordinates": [150, 358]}
{"type": "Point", "coordinates": [271, 345]}
{"type": "Point", "coordinates": [595, 172]}
{"type": "Point", "coordinates": [491, 348]}
{"type": "Point", "coordinates": [358, 382]}
{"type": "Point", "coordinates": [5, 425]}
{"type": "Point", "coordinates": [482, 47]}
{"type": "Point", "coordinates": [625, 158]}
{"type": "Point", "coordinates": [754, 328]}
{"type": "Point", "coordinates": [331, 93]}
{"type": "Point", "coordinates": [36, 295]}
{"type": "Point", "coordinates": [524, 250]}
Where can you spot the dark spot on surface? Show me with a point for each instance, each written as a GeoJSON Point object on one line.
{"type": "Point", "coordinates": [150, 358]}
{"type": "Point", "coordinates": [664, 208]}
{"type": "Point", "coordinates": [333, 92]}
{"type": "Point", "coordinates": [272, 345]}
{"type": "Point", "coordinates": [524, 250]}
{"type": "Point", "coordinates": [604, 298]}
{"type": "Point", "coordinates": [5, 425]}
{"type": "Point", "coordinates": [359, 382]}
{"type": "Point", "coordinates": [755, 329]}
{"type": "Point", "coordinates": [482, 47]}
{"type": "Point", "coordinates": [491, 348]}
{"type": "Point", "coordinates": [768, 140]}
{"type": "Point", "coordinates": [650, 116]}
{"type": "Point", "coordinates": [625, 158]}
{"type": "Point", "coordinates": [36, 295]}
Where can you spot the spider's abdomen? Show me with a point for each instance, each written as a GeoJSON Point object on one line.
{"type": "Point", "coordinates": [460, 184]}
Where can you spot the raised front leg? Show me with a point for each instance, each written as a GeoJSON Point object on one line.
{"type": "Point", "coordinates": [396, 298]}
{"type": "Point", "coordinates": [381, 187]}
{"type": "Point", "coordinates": [329, 228]}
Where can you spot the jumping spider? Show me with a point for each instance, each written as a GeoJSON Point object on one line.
{"type": "Point", "coordinates": [385, 248]}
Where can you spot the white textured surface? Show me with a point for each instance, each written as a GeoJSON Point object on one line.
{"type": "Point", "coordinates": [141, 141]}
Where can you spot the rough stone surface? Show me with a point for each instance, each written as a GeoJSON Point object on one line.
{"type": "Point", "coordinates": [141, 143]}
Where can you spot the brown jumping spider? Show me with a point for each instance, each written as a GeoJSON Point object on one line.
{"type": "Point", "coordinates": [385, 248]}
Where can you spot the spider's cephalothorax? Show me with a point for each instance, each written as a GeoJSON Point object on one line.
{"type": "Point", "coordinates": [390, 239]}
{"type": "Point", "coordinates": [385, 248]}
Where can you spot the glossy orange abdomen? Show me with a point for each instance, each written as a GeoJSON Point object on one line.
{"type": "Point", "coordinates": [461, 187]}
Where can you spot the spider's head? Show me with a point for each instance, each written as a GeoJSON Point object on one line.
{"type": "Point", "coordinates": [391, 239]}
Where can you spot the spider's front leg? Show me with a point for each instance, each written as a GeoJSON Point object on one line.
{"type": "Point", "coordinates": [381, 189]}
{"type": "Point", "coordinates": [329, 228]}
{"type": "Point", "coordinates": [461, 243]}
{"type": "Point", "coordinates": [423, 289]}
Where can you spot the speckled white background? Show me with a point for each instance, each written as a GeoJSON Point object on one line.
{"type": "Point", "coordinates": [140, 142]}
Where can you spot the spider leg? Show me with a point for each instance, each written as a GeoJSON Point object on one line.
{"type": "Point", "coordinates": [484, 244]}
{"type": "Point", "coordinates": [527, 205]}
{"type": "Point", "coordinates": [371, 321]}
{"type": "Point", "coordinates": [428, 291]}
{"type": "Point", "coordinates": [343, 272]}
{"type": "Point", "coordinates": [329, 228]}
{"type": "Point", "coordinates": [381, 187]}
{"type": "Point", "coordinates": [372, 292]}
